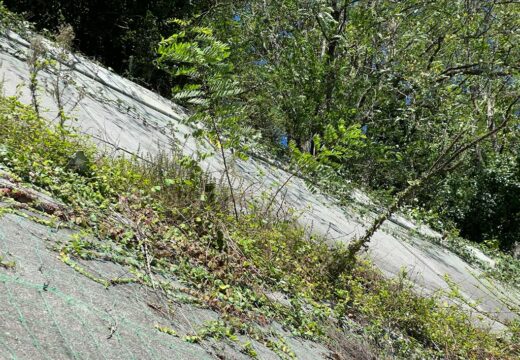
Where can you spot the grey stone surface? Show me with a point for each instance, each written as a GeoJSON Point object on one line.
{"type": "Point", "coordinates": [129, 117]}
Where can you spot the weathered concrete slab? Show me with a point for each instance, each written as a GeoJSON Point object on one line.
{"type": "Point", "coordinates": [118, 112]}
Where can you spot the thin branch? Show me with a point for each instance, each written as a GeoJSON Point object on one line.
{"type": "Point", "coordinates": [226, 168]}
{"type": "Point", "coordinates": [277, 192]}
{"type": "Point", "coordinates": [483, 137]}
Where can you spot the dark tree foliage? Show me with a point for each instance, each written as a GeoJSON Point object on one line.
{"type": "Point", "coordinates": [122, 34]}
{"type": "Point", "coordinates": [484, 200]}
{"type": "Point", "coordinates": [494, 210]}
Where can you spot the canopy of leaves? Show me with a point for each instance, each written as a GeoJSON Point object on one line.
{"type": "Point", "coordinates": [412, 75]}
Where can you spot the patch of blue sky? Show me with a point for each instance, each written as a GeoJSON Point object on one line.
{"type": "Point", "coordinates": [284, 141]}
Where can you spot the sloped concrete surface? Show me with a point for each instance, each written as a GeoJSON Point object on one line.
{"type": "Point", "coordinates": [50, 311]}
{"type": "Point", "coordinates": [123, 116]}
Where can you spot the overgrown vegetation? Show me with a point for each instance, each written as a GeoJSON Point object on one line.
{"type": "Point", "coordinates": [384, 93]}
{"type": "Point", "coordinates": [412, 76]}
{"type": "Point", "coordinates": [165, 216]}
{"type": "Point", "coordinates": [374, 91]}
{"type": "Point", "coordinates": [447, 120]}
